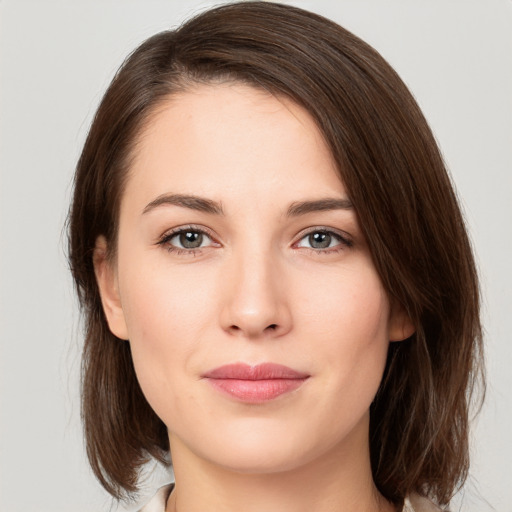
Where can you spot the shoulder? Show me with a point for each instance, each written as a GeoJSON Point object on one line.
{"type": "Point", "coordinates": [159, 500]}
{"type": "Point", "coordinates": [417, 503]}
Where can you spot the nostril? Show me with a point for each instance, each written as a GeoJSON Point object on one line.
{"type": "Point", "coordinates": [236, 328]}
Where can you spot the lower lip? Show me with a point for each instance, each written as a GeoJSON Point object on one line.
{"type": "Point", "coordinates": [256, 391]}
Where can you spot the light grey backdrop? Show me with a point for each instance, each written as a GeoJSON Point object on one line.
{"type": "Point", "coordinates": [57, 58]}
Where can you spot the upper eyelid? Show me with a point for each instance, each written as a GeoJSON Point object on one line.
{"type": "Point", "coordinates": [187, 227]}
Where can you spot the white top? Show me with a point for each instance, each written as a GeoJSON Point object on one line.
{"type": "Point", "coordinates": [414, 503]}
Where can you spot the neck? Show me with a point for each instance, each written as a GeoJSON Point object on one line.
{"type": "Point", "coordinates": [339, 481]}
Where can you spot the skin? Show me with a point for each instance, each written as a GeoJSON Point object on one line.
{"type": "Point", "coordinates": [259, 289]}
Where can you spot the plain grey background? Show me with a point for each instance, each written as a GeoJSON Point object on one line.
{"type": "Point", "coordinates": [57, 58]}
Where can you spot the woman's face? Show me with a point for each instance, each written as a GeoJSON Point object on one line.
{"type": "Point", "coordinates": [258, 325]}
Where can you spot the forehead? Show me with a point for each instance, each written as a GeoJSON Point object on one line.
{"type": "Point", "coordinates": [228, 141]}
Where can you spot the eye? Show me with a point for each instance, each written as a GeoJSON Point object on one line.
{"type": "Point", "coordinates": [321, 240]}
{"type": "Point", "coordinates": [187, 239]}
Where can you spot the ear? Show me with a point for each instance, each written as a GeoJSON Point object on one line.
{"type": "Point", "coordinates": [400, 325]}
{"type": "Point", "coordinates": [106, 277]}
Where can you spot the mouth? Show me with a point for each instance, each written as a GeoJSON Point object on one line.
{"type": "Point", "coordinates": [255, 384]}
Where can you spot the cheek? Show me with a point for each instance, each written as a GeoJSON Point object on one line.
{"type": "Point", "coordinates": [349, 322]}
{"type": "Point", "coordinates": [347, 305]}
{"type": "Point", "coordinates": [165, 325]}
{"type": "Point", "coordinates": [163, 302]}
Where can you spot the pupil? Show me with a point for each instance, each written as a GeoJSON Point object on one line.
{"type": "Point", "coordinates": [320, 240]}
{"type": "Point", "coordinates": [191, 240]}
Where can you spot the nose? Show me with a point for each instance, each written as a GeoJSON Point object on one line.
{"type": "Point", "coordinates": [254, 303]}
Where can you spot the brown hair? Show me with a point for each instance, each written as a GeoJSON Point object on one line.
{"type": "Point", "coordinates": [395, 177]}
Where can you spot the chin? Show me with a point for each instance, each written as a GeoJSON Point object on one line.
{"type": "Point", "coordinates": [268, 460]}
{"type": "Point", "coordinates": [256, 448]}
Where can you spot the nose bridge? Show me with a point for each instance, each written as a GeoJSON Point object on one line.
{"type": "Point", "coordinates": [255, 303]}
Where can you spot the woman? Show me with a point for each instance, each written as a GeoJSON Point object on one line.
{"type": "Point", "coordinates": [276, 277]}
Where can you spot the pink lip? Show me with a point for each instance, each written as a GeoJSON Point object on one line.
{"type": "Point", "coordinates": [255, 384]}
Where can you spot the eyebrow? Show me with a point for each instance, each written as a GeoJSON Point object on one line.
{"type": "Point", "coordinates": [202, 204]}
{"type": "Point", "coordinates": [186, 201]}
{"type": "Point", "coordinates": [304, 207]}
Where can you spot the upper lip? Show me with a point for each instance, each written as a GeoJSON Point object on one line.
{"type": "Point", "coordinates": [264, 371]}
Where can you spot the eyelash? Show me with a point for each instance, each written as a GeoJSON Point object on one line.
{"type": "Point", "coordinates": [344, 241]}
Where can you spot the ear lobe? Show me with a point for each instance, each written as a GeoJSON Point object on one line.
{"type": "Point", "coordinates": [401, 326]}
{"type": "Point", "coordinates": [106, 277]}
